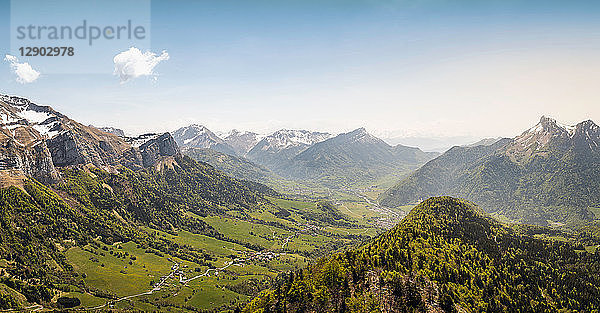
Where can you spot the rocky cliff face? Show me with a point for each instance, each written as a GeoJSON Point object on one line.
{"type": "Point", "coordinates": [85, 145]}
{"type": "Point", "coordinates": [64, 150]}
{"type": "Point", "coordinates": [157, 148]}
{"type": "Point", "coordinates": [34, 161]}
{"type": "Point", "coordinates": [37, 163]}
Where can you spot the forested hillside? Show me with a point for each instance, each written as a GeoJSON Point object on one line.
{"type": "Point", "coordinates": [444, 256]}
{"type": "Point", "coordinates": [438, 175]}
{"type": "Point", "coordinates": [235, 166]}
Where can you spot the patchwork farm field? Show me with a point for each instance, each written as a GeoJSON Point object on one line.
{"type": "Point", "coordinates": [254, 248]}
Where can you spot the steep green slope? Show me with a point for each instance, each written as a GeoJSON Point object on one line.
{"type": "Point", "coordinates": [237, 167]}
{"type": "Point", "coordinates": [29, 217]}
{"type": "Point", "coordinates": [437, 175]}
{"type": "Point", "coordinates": [444, 256]}
{"type": "Point", "coordinates": [256, 176]}
{"type": "Point", "coordinates": [39, 223]}
{"type": "Point", "coordinates": [37, 226]}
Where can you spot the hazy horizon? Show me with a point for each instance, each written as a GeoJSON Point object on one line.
{"type": "Point", "coordinates": [434, 143]}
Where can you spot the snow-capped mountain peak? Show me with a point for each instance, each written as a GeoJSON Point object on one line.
{"type": "Point", "coordinates": [198, 136]}
{"type": "Point", "coordinates": [195, 134]}
{"type": "Point", "coordinates": [550, 125]}
{"type": "Point", "coordinates": [242, 142]}
{"type": "Point", "coordinates": [587, 135]}
{"type": "Point", "coordinates": [550, 135]}
{"type": "Point", "coordinates": [286, 138]}
{"type": "Point", "coordinates": [278, 149]}
{"type": "Point", "coordinates": [543, 132]}
{"type": "Point", "coordinates": [18, 112]}
{"type": "Point", "coordinates": [111, 130]}
{"type": "Point", "coordinates": [234, 132]}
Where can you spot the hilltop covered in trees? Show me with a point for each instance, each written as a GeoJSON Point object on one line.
{"type": "Point", "coordinates": [445, 256]}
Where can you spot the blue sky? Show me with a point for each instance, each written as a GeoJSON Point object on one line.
{"type": "Point", "coordinates": [399, 68]}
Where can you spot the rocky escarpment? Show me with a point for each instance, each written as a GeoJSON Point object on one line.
{"type": "Point", "coordinates": [65, 150]}
{"type": "Point", "coordinates": [86, 145]}
{"type": "Point", "coordinates": [149, 149]}
{"type": "Point", "coordinates": [157, 148]}
{"type": "Point", "coordinates": [35, 161]}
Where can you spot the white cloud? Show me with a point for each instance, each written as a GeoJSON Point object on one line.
{"type": "Point", "coordinates": [133, 63]}
{"type": "Point", "coordinates": [25, 73]}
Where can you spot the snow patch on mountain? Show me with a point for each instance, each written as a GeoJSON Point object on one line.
{"type": "Point", "coordinates": [140, 140]}
{"type": "Point", "coordinates": [18, 112]}
{"type": "Point", "coordinates": [549, 135]}
{"type": "Point", "coordinates": [111, 130]}
{"type": "Point", "coordinates": [550, 125]}
{"type": "Point", "coordinates": [242, 142]}
{"type": "Point", "coordinates": [197, 136]}
{"type": "Point", "coordinates": [285, 138]}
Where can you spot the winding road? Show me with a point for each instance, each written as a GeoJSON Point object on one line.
{"type": "Point", "coordinates": [158, 286]}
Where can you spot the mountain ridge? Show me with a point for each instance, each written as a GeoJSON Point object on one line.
{"type": "Point", "coordinates": [242, 142]}
{"type": "Point", "coordinates": [356, 156]}
{"type": "Point", "coordinates": [235, 166]}
{"type": "Point", "coordinates": [545, 175]}
{"type": "Point", "coordinates": [278, 149]}
{"type": "Point", "coordinates": [198, 136]}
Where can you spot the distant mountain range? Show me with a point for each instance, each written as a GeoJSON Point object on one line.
{"type": "Point", "coordinates": [277, 150]}
{"type": "Point", "coordinates": [431, 143]}
{"type": "Point", "coordinates": [353, 157]}
{"type": "Point", "coordinates": [112, 130]}
{"type": "Point", "coordinates": [547, 174]}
